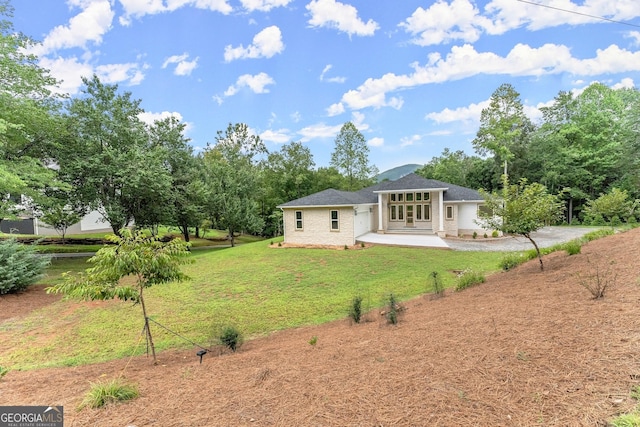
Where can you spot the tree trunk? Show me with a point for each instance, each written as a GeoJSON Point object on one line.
{"type": "Point", "coordinates": [185, 232]}
{"type": "Point", "coordinates": [147, 328]}
{"type": "Point", "coordinates": [197, 232]}
{"type": "Point", "coordinates": [537, 251]}
{"type": "Point", "coordinates": [233, 242]}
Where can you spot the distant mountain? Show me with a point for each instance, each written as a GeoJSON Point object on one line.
{"type": "Point", "coordinates": [397, 172]}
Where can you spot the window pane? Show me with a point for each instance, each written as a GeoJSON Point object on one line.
{"type": "Point", "coordinates": [298, 220]}
{"type": "Point", "coordinates": [449, 212]}
{"type": "Point", "coordinates": [418, 197]}
{"type": "Point", "coordinates": [418, 211]}
{"type": "Point", "coordinates": [426, 197]}
{"type": "Point", "coordinates": [393, 213]}
{"type": "Point", "coordinates": [401, 213]}
{"type": "Point", "coordinates": [427, 212]}
{"type": "Point", "coordinates": [400, 197]}
{"type": "Point", "coordinates": [334, 214]}
{"type": "Point", "coordinates": [409, 197]}
{"type": "Point", "coordinates": [334, 225]}
{"type": "Point", "coordinates": [393, 197]}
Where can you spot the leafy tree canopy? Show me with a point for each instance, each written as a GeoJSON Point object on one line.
{"type": "Point", "coordinates": [521, 209]}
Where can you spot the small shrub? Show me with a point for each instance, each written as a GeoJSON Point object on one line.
{"type": "Point", "coordinates": [626, 420]}
{"type": "Point", "coordinates": [313, 341]}
{"type": "Point", "coordinates": [436, 285]}
{"type": "Point", "coordinates": [495, 234]}
{"type": "Point", "coordinates": [230, 337]}
{"type": "Point", "coordinates": [635, 392]}
{"type": "Point", "coordinates": [469, 278]}
{"type": "Point", "coordinates": [3, 371]}
{"type": "Point", "coordinates": [475, 234]}
{"type": "Point", "coordinates": [112, 391]}
{"type": "Point", "coordinates": [486, 235]}
{"type": "Point", "coordinates": [392, 310]}
{"type": "Point", "coordinates": [512, 260]}
{"type": "Point", "coordinates": [355, 310]}
{"type": "Point", "coordinates": [20, 266]}
{"type": "Point", "coordinates": [346, 247]}
{"type": "Point", "coordinates": [362, 244]}
{"type": "Point", "coordinates": [279, 244]}
{"type": "Point", "coordinates": [598, 280]}
{"type": "Point", "coordinates": [573, 247]}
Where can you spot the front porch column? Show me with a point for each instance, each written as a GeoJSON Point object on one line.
{"type": "Point", "coordinates": [380, 228]}
{"type": "Point", "coordinates": [441, 211]}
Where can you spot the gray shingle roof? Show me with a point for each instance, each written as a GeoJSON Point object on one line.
{"type": "Point", "coordinates": [369, 195]}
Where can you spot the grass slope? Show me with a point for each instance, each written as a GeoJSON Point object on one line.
{"type": "Point", "coordinates": [255, 287]}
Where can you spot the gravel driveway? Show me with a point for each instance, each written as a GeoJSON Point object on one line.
{"type": "Point", "coordinates": [545, 237]}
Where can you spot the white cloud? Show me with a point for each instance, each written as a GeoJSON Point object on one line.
{"type": "Point", "coordinates": [410, 140]}
{"type": "Point", "coordinates": [331, 79]}
{"type": "Point", "coordinates": [263, 5]}
{"type": "Point", "coordinates": [322, 130]}
{"type": "Point", "coordinates": [626, 83]}
{"type": "Point", "coordinates": [88, 26]}
{"type": "Point", "coordinates": [69, 71]}
{"type": "Point", "coordinates": [183, 67]}
{"type": "Point", "coordinates": [461, 20]}
{"type": "Point", "coordinates": [341, 16]}
{"type": "Point", "coordinates": [279, 136]}
{"type": "Point", "coordinates": [376, 142]}
{"type": "Point", "coordinates": [140, 8]}
{"type": "Point", "coordinates": [319, 130]}
{"type": "Point", "coordinates": [460, 114]}
{"type": "Point", "coordinates": [635, 36]}
{"type": "Point", "coordinates": [295, 116]}
{"type": "Point", "coordinates": [444, 22]}
{"type": "Point", "coordinates": [149, 118]}
{"type": "Point", "coordinates": [464, 61]}
{"type": "Point", "coordinates": [256, 83]}
{"type": "Point", "coordinates": [266, 44]}
{"type": "Point", "coordinates": [117, 73]}
{"type": "Point", "coordinates": [335, 109]}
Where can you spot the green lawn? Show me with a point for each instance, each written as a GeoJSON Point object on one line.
{"type": "Point", "coordinates": [255, 287]}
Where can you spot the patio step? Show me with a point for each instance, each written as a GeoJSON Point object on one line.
{"type": "Point", "coordinates": [410, 230]}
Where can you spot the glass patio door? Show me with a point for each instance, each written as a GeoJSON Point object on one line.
{"type": "Point", "coordinates": [409, 216]}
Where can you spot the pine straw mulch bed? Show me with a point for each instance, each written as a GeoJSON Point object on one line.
{"type": "Point", "coordinates": [527, 348]}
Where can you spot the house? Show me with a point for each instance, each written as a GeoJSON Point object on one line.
{"type": "Point", "coordinates": [411, 204]}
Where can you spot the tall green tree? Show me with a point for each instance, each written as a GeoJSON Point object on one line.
{"type": "Point", "coordinates": [109, 159]}
{"type": "Point", "coordinates": [587, 144]}
{"type": "Point", "coordinates": [146, 259]}
{"type": "Point", "coordinates": [30, 125]}
{"type": "Point", "coordinates": [187, 195]}
{"type": "Point", "coordinates": [521, 209]}
{"type": "Point", "coordinates": [504, 127]}
{"type": "Point", "coordinates": [232, 179]}
{"type": "Point", "coordinates": [351, 157]}
{"type": "Point", "coordinates": [288, 174]}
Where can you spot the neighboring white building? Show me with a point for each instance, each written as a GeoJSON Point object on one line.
{"type": "Point", "coordinates": [411, 204]}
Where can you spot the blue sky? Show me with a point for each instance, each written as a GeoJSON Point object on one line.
{"type": "Point", "coordinates": [413, 76]}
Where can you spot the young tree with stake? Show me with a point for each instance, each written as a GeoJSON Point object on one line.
{"type": "Point", "coordinates": [147, 259]}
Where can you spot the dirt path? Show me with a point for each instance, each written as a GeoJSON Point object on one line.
{"type": "Point", "coordinates": [527, 348]}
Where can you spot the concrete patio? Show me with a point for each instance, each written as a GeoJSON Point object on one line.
{"type": "Point", "coordinates": [424, 240]}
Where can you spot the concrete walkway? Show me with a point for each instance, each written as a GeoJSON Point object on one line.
{"type": "Point", "coordinates": [424, 240]}
{"type": "Point", "coordinates": [545, 237]}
